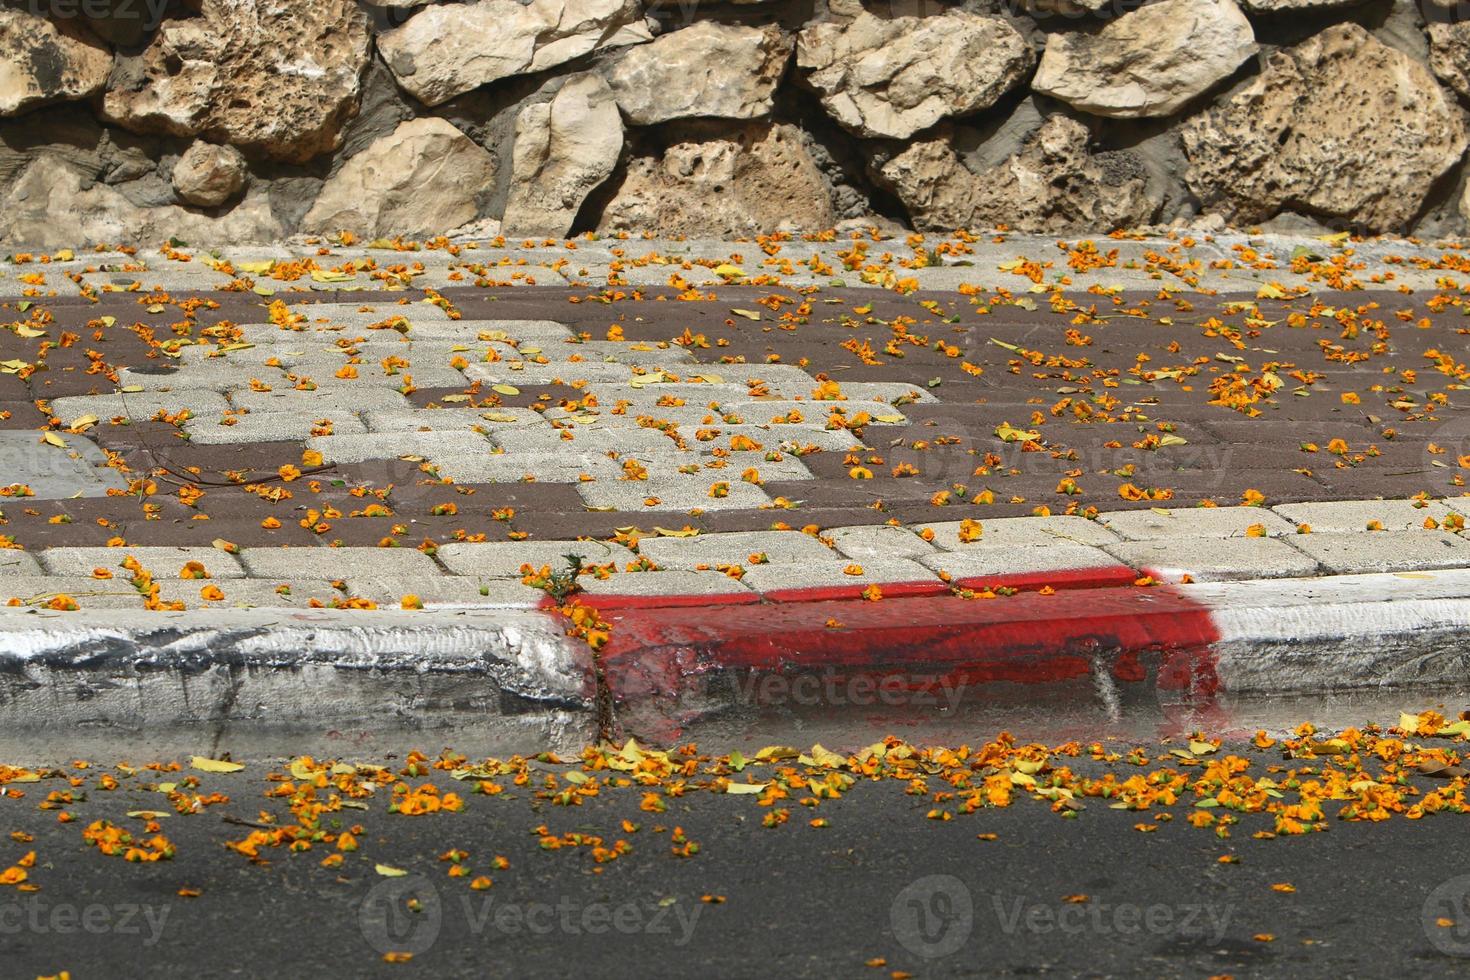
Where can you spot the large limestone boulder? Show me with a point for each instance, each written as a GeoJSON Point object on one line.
{"type": "Point", "coordinates": [752, 180]}
{"type": "Point", "coordinates": [1340, 125]}
{"type": "Point", "coordinates": [1149, 62]}
{"type": "Point", "coordinates": [422, 179]}
{"type": "Point", "coordinates": [1449, 53]}
{"type": "Point", "coordinates": [563, 150]}
{"type": "Point", "coordinates": [1292, 6]}
{"type": "Point", "coordinates": [42, 60]}
{"type": "Point", "coordinates": [281, 76]}
{"type": "Point", "coordinates": [53, 203]}
{"type": "Point", "coordinates": [1052, 184]}
{"type": "Point", "coordinates": [709, 69]}
{"type": "Point", "coordinates": [449, 49]}
{"type": "Point", "coordinates": [209, 175]}
{"type": "Point", "coordinates": [895, 77]}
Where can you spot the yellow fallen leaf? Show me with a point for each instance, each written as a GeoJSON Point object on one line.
{"type": "Point", "coordinates": [773, 753]}
{"type": "Point", "coordinates": [213, 765]}
{"type": "Point", "coordinates": [388, 871]}
{"type": "Point", "coordinates": [505, 389]}
{"type": "Point", "coordinates": [1009, 433]}
{"type": "Point", "coordinates": [825, 757]}
{"type": "Point", "coordinates": [739, 789]}
{"type": "Point", "coordinates": [52, 439]}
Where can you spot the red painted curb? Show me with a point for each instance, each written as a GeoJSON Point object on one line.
{"type": "Point", "coordinates": [667, 664]}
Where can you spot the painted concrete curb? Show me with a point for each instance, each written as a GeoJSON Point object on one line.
{"type": "Point", "coordinates": [510, 674]}
{"type": "Point", "coordinates": [517, 680]}
{"type": "Point", "coordinates": [668, 669]}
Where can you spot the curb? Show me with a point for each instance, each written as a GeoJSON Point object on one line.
{"type": "Point", "coordinates": [510, 676]}
{"type": "Point", "coordinates": [514, 679]}
{"type": "Point", "coordinates": [1196, 646]}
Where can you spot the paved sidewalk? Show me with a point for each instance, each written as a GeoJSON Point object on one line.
{"type": "Point", "coordinates": [712, 425]}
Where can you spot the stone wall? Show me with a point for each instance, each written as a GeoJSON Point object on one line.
{"type": "Point", "coordinates": [221, 121]}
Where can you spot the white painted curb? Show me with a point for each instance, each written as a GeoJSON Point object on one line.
{"type": "Point", "coordinates": [508, 672]}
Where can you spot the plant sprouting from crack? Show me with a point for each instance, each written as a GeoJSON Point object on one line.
{"type": "Point", "coordinates": [560, 585]}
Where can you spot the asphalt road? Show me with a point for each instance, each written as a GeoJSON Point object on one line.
{"type": "Point", "coordinates": [880, 889]}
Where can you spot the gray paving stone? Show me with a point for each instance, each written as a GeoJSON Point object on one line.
{"type": "Point", "coordinates": [267, 427]}
{"type": "Point", "coordinates": [878, 541]}
{"type": "Point", "coordinates": [622, 437]}
{"type": "Point", "coordinates": [673, 582]}
{"type": "Point", "coordinates": [734, 548]}
{"type": "Point", "coordinates": [1194, 522]}
{"type": "Point", "coordinates": [1356, 552]}
{"type": "Point", "coordinates": [680, 416]}
{"type": "Point", "coordinates": [389, 590]}
{"type": "Point", "coordinates": [249, 592]}
{"type": "Point", "coordinates": [645, 399]}
{"type": "Point", "coordinates": [1355, 515]}
{"type": "Point", "coordinates": [999, 561]}
{"type": "Point", "coordinates": [1215, 559]}
{"type": "Point", "coordinates": [528, 374]}
{"type": "Point", "coordinates": [503, 559]}
{"type": "Point", "coordinates": [142, 405]}
{"type": "Point", "coordinates": [453, 419]}
{"type": "Point", "coordinates": [160, 561]}
{"type": "Point", "coordinates": [433, 446]}
{"type": "Point", "coordinates": [834, 572]}
{"type": "Point", "coordinates": [542, 332]}
{"type": "Point", "coordinates": [16, 562]}
{"type": "Point", "coordinates": [87, 592]}
{"type": "Point", "coordinates": [324, 402]}
{"type": "Point", "coordinates": [337, 563]}
{"type": "Point", "coordinates": [767, 411]}
{"type": "Point", "coordinates": [1008, 531]}
{"type": "Point", "coordinates": [884, 393]}
{"type": "Point", "coordinates": [565, 466]}
{"type": "Point", "coordinates": [734, 466]}
{"type": "Point", "coordinates": [173, 388]}
{"type": "Point", "coordinates": [347, 311]}
{"type": "Point", "coordinates": [678, 492]}
{"type": "Point", "coordinates": [630, 352]}
{"type": "Point", "coordinates": [250, 361]}
{"type": "Point", "coordinates": [54, 473]}
{"type": "Point", "coordinates": [784, 438]}
{"type": "Point", "coordinates": [424, 372]}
